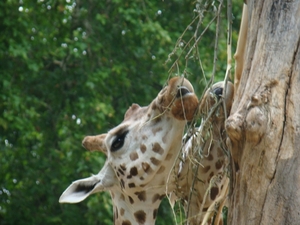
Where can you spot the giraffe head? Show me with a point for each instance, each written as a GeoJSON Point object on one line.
{"type": "Point", "coordinates": [140, 154]}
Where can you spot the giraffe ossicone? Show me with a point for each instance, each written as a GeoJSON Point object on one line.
{"type": "Point", "coordinates": [140, 151]}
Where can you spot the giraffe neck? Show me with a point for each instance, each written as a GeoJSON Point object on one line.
{"type": "Point", "coordinates": [139, 208]}
{"type": "Point", "coordinates": [144, 174]}
{"type": "Point", "coordinates": [211, 183]}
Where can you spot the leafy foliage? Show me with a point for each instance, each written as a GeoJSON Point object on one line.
{"type": "Point", "coordinates": [69, 69]}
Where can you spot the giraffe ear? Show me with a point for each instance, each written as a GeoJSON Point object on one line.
{"type": "Point", "coordinates": [81, 189]}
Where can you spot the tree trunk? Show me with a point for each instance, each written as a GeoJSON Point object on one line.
{"type": "Point", "coordinates": [264, 125]}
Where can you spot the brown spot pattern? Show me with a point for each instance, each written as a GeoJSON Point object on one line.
{"type": "Point", "coordinates": [210, 157]}
{"type": "Point", "coordinates": [122, 211]}
{"type": "Point", "coordinates": [220, 153]}
{"type": "Point", "coordinates": [161, 197]}
{"type": "Point", "coordinates": [156, 120]}
{"type": "Point", "coordinates": [116, 213]}
{"type": "Point", "coordinates": [122, 184]}
{"type": "Point", "coordinates": [126, 222]}
{"type": "Point", "coordinates": [205, 169]}
{"type": "Point", "coordinates": [141, 195]}
{"type": "Point", "coordinates": [153, 106]}
{"type": "Point", "coordinates": [143, 185]}
{"type": "Point", "coordinates": [123, 167]}
{"type": "Point", "coordinates": [155, 161]}
{"type": "Point", "coordinates": [161, 170]}
{"type": "Point", "coordinates": [133, 156]}
{"type": "Point", "coordinates": [219, 164]}
{"type": "Point", "coordinates": [155, 130]}
{"type": "Point", "coordinates": [146, 167]}
{"type": "Point", "coordinates": [144, 137]}
{"type": "Point", "coordinates": [130, 199]}
{"type": "Point", "coordinates": [157, 148]}
{"type": "Point", "coordinates": [120, 171]}
{"type": "Point", "coordinates": [122, 197]}
{"type": "Point", "coordinates": [133, 171]}
{"type": "Point", "coordinates": [169, 156]}
{"type": "Point", "coordinates": [140, 216]}
{"type": "Point", "coordinates": [210, 176]}
{"type": "Point", "coordinates": [143, 148]}
{"type": "Point", "coordinates": [131, 185]}
{"type": "Point", "coordinates": [154, 213]}
{"type": "Point", "coordinates": [155, 198]}
{"type": "Point", "coordinates": [214, 191]}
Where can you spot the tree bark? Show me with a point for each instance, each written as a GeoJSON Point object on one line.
{"type": "Point", "coordinates": [264, 124]}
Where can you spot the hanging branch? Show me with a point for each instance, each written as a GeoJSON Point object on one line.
{"type": "Point", "coordinates": [216, 41]}
{"type": "Point", "coordinates": [229, 54]}
{"type": "Point", "coordinates": [182, 45]}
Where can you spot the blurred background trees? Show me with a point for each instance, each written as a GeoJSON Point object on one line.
{"type": "Point", "coordinates": [71, 68]}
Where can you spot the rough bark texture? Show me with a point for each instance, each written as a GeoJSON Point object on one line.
{"type": "Point", "coordinates": [264, 125]}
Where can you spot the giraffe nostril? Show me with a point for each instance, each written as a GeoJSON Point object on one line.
{"type": "Point", "coordinates": [182, 91]}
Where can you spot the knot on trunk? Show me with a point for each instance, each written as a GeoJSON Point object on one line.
{"type": "Point", "coordinates": [256, 124]}
{"type": "Point", "coordinates": [234, 127]}
{"type": "Point", "coordinates": [248, 124]}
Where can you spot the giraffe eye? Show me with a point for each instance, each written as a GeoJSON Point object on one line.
{"type": "Point", "coordinates": [118, 142]}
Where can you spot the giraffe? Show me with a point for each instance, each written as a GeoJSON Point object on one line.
{"type": "Point", "coordinates": [140, 153]}
{"type": "Point", "coordinates": [202, 178]}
